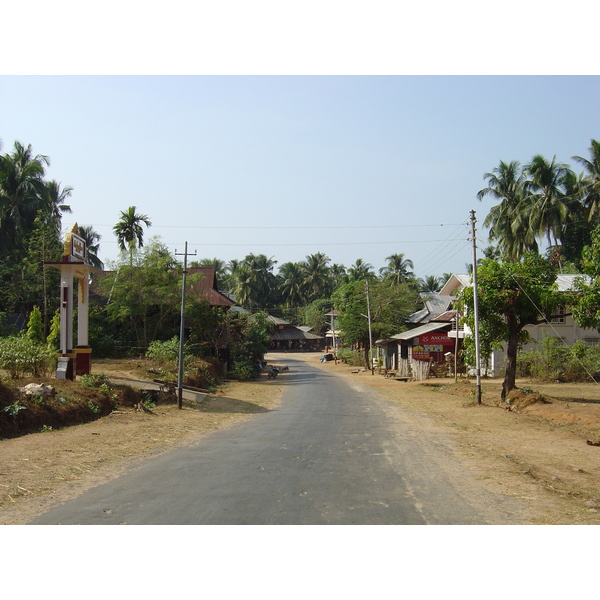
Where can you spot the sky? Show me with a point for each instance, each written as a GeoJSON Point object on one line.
{"type": "Point", "coordinates": [360, 166]}
{"type": "Point", "coordinates": [287, 130]}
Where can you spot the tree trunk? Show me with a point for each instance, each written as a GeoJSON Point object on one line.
{"type": "Point", "coordinates": [511, 360]}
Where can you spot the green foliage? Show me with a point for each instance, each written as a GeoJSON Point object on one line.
{"type": "Point", "coordinates": [553, 361]}
{"type": "Point", "coordinates": [511, 296]}
{"type": "Point", "coordinates": [35, 327]}
{"type": "Point", "coordinates": [13, 409]}
{"type": "Point", "coordinates": [53, 339]}
{"type": "Point", "coordinates": [242, 370]}
{"type": "Point", "coordinates": [94, 408]}
{"type": "Point", "coordinates": [166, 353]}
{"type": "Point", "coordinates": [315, 316]}
{"type": "Point", "coordinates": [93, 381]}
{"type": "Point", "coordinates": [390, 304]}
{"type": "Point", "coordinates": [587, 311]}
{"type": "Point", "coordinates": [22, 356]}
{"type": "Point", "coordinates": [256, 337]}
{"type": "Point", "coordinates": [145, 298]}
{"type": "Point", "coordinates": [354, 358]}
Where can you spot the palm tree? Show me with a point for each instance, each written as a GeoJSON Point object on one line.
{"type": "Point", "coordinates": [129, 230]}
{"type": "Point", "coordinates": [291, 279]}
{"type": "Point", "coordinates": [317, 280]}
{"type": "Point", "coordinates": [92, 239]}
{"type": "Point", "coordinates": [397, 268]}
{"type": "Point", "coordinates": [338, 275]}
{"type": "Point", "coordinates": [361, 270]}
{"type": "Point", "coordinates": [21, 193]}
{"type": "Point", "coordinates": [431, 283]}
{"type": "Point", "coordinates": [216, 263]}
{"type": "Point", "coordinates": [547, 203]}
{"type": "Point", "coordinates": [591, 191]}
{"type": "Point", "coordinates": [508, 221]}
{"type": "Point", "coordinates": [253, 281]}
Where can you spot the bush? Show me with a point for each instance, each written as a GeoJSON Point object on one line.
{"type": "Point", "coordinates": [552, 361]}
{"type": "Point", "coordinates": [354, 358]}
{"type": "Point", "coordinates": [22, 356]}
{"type": "Point", "coordinates": [164, 352]}
{"type": "Point", "coordinates": [243, 370]}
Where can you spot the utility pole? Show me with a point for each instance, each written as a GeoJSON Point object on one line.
{"type": "Point", "coordinates": [476, 309]}
{"type": "Point", "coordinates": [182, 327]}
{"type": "Point", "coordinates": [333, 334]}
{"type": "Point", "coordinates": [370, 332]}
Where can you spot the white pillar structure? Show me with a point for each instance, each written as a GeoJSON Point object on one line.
{"type": "Point", "coordinates": [74, 265]}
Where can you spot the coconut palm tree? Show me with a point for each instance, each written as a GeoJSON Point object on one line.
{"type": "Point", "coordinates": [129, 230]}
{"type": "Point", "coordinates": [360, 270]}
{"type": "Point", "coordinates": [291, 280]}
{"type": "Point", "coordinates": [508, 221]}
{"type": "Point", "coordinates": [317, 280]}
{"type": "Point", "coordinates": [591, 191]}
{"type": "Point", "coordinates": [21, 193]}
{"type": "Point", "coordinates": [92, 239]}
{"type": "Point", "coordinates": [547, 201]}
{"type": "Point", "coordinates": [397, 269]}
{"type": "Point", "coordinates": [431, 283]}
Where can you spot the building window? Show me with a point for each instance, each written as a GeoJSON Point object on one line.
{"type": "Point", "coordinates": [592, 341]}
{"type": "Point", "coordinates": [560, 318]}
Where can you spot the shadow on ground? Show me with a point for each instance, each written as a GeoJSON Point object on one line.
{"type": "Point", "coordinates": [223, 404]}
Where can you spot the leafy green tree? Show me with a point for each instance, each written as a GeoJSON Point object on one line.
{"type": "Point", "coordinates": [146, 298]}
{"type": "Point", "coordinates": [315, 315]}
{"type": "Point", "coordinates": [130, 232]}
{"type": "Point", "coordinates": [511, 296]}
{"type": "Point", "coordinates": [53, 339]}
{"type": "Point", "coordinates": [35, 327]}
{"type": "Point", "coordinates": [586, 311]}
{"type": "Point", "coordinates": [390, 306]}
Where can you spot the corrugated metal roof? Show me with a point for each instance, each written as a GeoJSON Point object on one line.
{"type": "Point", "coordinates": [412, 333]}
{"type": "Point", "coordinates": [566, 283]}
{"type": "Point", "coordinates": [292, 333]}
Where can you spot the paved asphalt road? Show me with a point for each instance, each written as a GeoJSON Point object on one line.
{"type": "Point", "coordinates": [331, 453]}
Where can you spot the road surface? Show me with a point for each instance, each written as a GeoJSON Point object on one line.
{"type": "Point", "coordinates": [331, 453]}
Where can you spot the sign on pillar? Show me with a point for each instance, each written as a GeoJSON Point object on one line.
{"type": "Point", "coordinates": [74, 360]}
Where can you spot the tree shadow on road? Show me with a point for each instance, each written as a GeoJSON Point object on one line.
{"type": "Point", "coordinates": [223, 404]}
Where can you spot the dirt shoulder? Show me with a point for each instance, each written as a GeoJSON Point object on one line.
{"type": "Point", "coordinates": [539, 454]}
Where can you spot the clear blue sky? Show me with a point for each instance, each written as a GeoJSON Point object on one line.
{"type": "Point", "coordinates": [289, 129]}
{"type": "Point", "coordinates": [352, 166]}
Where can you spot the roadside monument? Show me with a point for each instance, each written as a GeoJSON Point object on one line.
{"type": "Point", "coordinates": [76, 360]}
